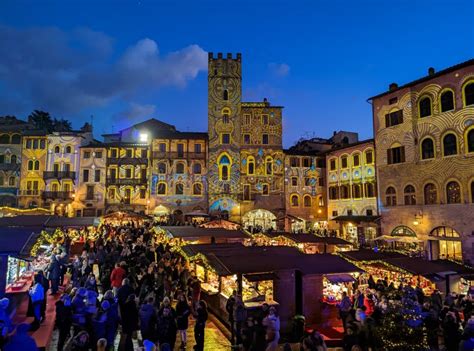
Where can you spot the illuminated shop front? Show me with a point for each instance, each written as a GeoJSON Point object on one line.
{"type": "Point", "coordinates": [445, 243]}
{"type": "Point", "coordinates": [259, 220]}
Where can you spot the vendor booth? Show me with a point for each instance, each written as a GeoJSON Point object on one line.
{"type": "Point", "coordinates": [199, 235]}
{"type": "Point", "coordinates": [126, 217]}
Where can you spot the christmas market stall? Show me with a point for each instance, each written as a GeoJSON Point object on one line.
{"type": "Point", "coordinates": [199, 235]}
{"type": "Point", "coordinates": [126, 217]}
{"type": "Point", "coordinates": [311, 244]}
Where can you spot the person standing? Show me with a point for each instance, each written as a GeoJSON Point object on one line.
{"type": "Point", "coordinates": [201, 316]}
{"type": "Point", "coordinates": [129, 314]}
{"type": "Point", "coordinates": [345, 307]}
{"type": "Point", "coordinates": [147, 315]}
{"type": "Point", "coordinates": [240, 316]}
{"type": "Point", "coordinates": [230, 311]}
{"type": "Point", "coordinates": [116, 277]}
{"type": "Point", "coordinates": [272, 323]}
{"type": "Point", "coordinates": [36, 293]}
{"type": "Point", "coordinates": [183, 311]}
{"type": "Point", "coordinates": [167, 328]}
{"type": "Point", "coordinates": [63, 319]}
{"type": "Point", "coordinates": [54, 274]}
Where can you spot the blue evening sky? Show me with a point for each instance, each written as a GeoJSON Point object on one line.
{"type": "Point", "coordinates": [127, 60]}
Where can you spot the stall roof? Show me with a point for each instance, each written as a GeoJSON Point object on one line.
{"type": "Point", "coordinates": [47, 221]}
{"type": "Point", "coordinates": [235, 258]}
{"type": "Point", "coordinates": [72, 222]}
{"type": "Point", "coordinates": [356, 219]}
{"type": "Point", "coordinates": [189, 232]}
{"type": "Point", "coordinates": [16, 241]}
{"type": "Point", "coordinates": [370, 255]}
{"type": "Point", "coordinates": [310, 238]}
{"type": "Point", "coordinates": [423, 267]}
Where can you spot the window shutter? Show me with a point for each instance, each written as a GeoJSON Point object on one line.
{"type": "Point", "coordinates": [389, 156]}
{"type": "Point", "coordinates": [402, 153]}
{"type": "Point", "coordinates": [400, 116]}
{"type": "Point", "coordinates": [387, 120]}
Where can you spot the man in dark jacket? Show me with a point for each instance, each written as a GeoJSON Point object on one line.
{"type": "Point", "coordinates": [240, 316]}
{"type": "Point", "coordinates": [147, 315]}
{"type": "Point", "coordinates": [54, 274]}
{"type": "Point", "coordinates": [63, 319]}
{"type": "Point", "coordinates": [230, 311]}
{"type": "Point", "coordinates": [167, 328]}
{"type": "Point", "coordinates": [124, 292]}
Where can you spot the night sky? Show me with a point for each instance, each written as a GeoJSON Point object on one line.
{"type": "Point", "coordinates": [126, 61]}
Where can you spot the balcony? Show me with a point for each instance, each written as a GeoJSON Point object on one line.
{"type": "Point", "coordinates": [127, 161]}
{"type": "Point", "coordinates": [30, 192]}
{"type": "Point", "coordinates": [9, 166]}
{"type": "Point", "coordinates": [59, 175]}
{"type": "Point", "coordinates": [57, 195]}
{"type": "Point", "coordinates": [179, 155]}
{"type": "Point", "coordinates": [127, 181]}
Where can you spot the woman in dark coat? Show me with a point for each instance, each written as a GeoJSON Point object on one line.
{"type": "Point", "coordinates": [129, 323]}
{"type": "Point", "coordinates": [167, 328]}
{"type": "Point", "coordinates": [183, 310]}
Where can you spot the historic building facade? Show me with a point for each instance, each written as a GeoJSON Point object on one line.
{"type": "Point", "coordinates": [351, 184]}
{"type": "Point", "coordinates": [424, 142]}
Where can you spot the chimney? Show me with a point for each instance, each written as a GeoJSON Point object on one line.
{"type": "Point", "coordinates": [431, 71]}
{"type": "Point", "coordinates": [392, 86]}
{"type": "Point", "coordinates": [265, 100]}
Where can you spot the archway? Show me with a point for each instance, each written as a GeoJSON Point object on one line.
{"type": "Point", "coordinates": [445, 243]}
{"type": "Point", "coordinates": [259, 219]}
{"type": "Point", "coordinates": [161, 214]}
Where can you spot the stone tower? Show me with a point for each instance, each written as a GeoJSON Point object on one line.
{"type": "Point", "coordinates": [224, 101]}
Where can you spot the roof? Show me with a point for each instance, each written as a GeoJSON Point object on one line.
{"type": "Point", "coordinates": [72, 222]}
{"type": "Point", "coordinates": [35, 132]}
{"type": "Point", "coordinates": [24, 221]}
{"type": "Point", "coordinates": [356, 219]}
{"type": "Point", "coordinates": [18, 240]}
{"type": "Point", "coordinates": [258, 104]}
{"type": "Point", "coordinates": [46, 221]}
{"type": "Point", "coordinates": [188, 232]}
{"type": "Point", "coordinates": [348, 146]}
{"type": "Point", "coordinates": [310, 238]}
{"type": "Point", "coordinates": [427, 78]}
{"type": "Point", "coordinates": [419, 266]}
{"type": "Point", "coordinates": [370, 255]}
{"type": "Point", "coordinates": [235, 258]}
{"type": "Point", "coordinates": [295, 152]}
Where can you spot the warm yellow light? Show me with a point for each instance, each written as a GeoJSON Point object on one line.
{"type": "Point", "coordinates": [416, 222]}
{"type": "Point", "coordinates": [319, 211]}
{"type": "Point", "coordinates": [143, 137]}
{"type": "Point", "coordinates": [349, 224]}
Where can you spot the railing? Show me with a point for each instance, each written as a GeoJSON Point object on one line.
{"type": "Point", "coordinates": [127, 181]}
{"type": "Point", "coordinates": [87, 197]}
{"type": "Point", "coordinates": [127, 160]}
{"type": "Point", "coordinates": [57, 195]}
{"type": "Point", "coordinates": [9, 166]}
{"type": "Point", "coordinates": [30, 192]}
{"type": "Point", "coordinates": [172, 155]}
{"type": "Point", "coordinates": [59, 175]}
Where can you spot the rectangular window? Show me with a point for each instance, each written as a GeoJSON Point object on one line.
{"type": "Point", "coordinates": [113, 173]}
{"type": "Point", "coordinates": [247, 119]}
{"type": "Point", "coordinates": [162, 147]}
{"type": "Point", "coordinates": [332, 164]}
{"type": "Point", "coordinates": [35, 144]}
{"type": "Point", "coordinates": [265, 139]}
{"type": "Point", "coordinates": [369, 213]}
{"type": "Point", "coordinates": [197, 148]}
{"type": "Point", "coordinates": [369, 157]}
{"type": "Point", "coordinates": [225, 138]}
{"type": "Point", "coordinates": [87, 154]}
{"type": "Point", "coordinates": [394, 118]}
{"type": "Point", "coordinates": [42, 144]}
{"type": "Point", "coordinates": [112, 193]}
{"type": "Point", "coordinates": [113, 153]}
{"type": "Point", "coordinates": [129, 153]}
{"type": "Point", "coordinates": [161, 189]}
{"type": "Point", "coordinates": [264, 119]}
{"type": "Point", "coordinates": [344, 162]}
{"type": "Point", "coordinates": [97, 176]}
{"type": "Point", "coordinates": [349, 212]}
{"type": "Point", "coordinates": [321, 181]}
{"type": "Point", "coordinates": [334, 213]}
{"type": "Point", "coordinates": [128, 173]}
{"type": "Point", "coordinates": [90, 192]}
{"type": "Point", "coordinates": [98, 154]}
{"type": "Point", "coordinates": [28, 143]}
{"type": "Point", "coordinates": [246, 139]}
{"type": "Point", "coordinates": [265, 189]}
{"type": "Point", "coordinates": [396, 155]}
{"type": "Point", "coordinates": [393, 100]}
{"type": "Point", "coordinates": [142, 193]}
{"type": "Point", "coordinates": [180, 148]}
{"type": "Point", "coordinates": [294, 162]}
{"type": "Point", "coordinates": [85, 175]}
{"type": "Point", "coordinates": [143, 174]}
{"type": "Point", "coordinates": [306, 162]}
{"type": "Point", "coordinates": [356, 160]}
{"type": "Point", "coordinates": [294, 181]}
{"type": "Point", "coordinates": [246, 194]}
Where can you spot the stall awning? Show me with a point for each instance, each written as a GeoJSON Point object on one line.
{"type": "Point", "coordinates": [356, 219]}
{"type": "Point", "coordinates": [258, 277]}
{"type": "Point", "coordinates": [435, 278]}
{"type": "Point", "coordinates": [340, 278]}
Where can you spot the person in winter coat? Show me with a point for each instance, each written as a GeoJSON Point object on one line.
{"type": "Point", "coordinates": [37, 299]}
{"type": "Point", "coordinates": [116, 277]}
{"type": "Point", "coordinates": [124, 292]}
{"type": "Point", "coordinates": [240, 316]}
{"type": "Point", "coordinates": [451, 332]}
{"type": "Point", "coordinates": [78, 343]}
{"type": "Point", "coordinates": [54, 274]}
{"type": "Point", "coordinates": [99, 323]}
{"type": "Point", "coordinates": [129, 314]}
{"type": "Point", "coordinates": [369, 304]}
{"type": "Point", "coordinates": [166, 330]}
{"type": "Point", "coordinates": [5, 321]}
{"type": "Point", "coordinates": [272, 323]}
{"type": "Point", "coordinates": [147, 315]}
{"type": "Point", "coordinates": [183, 310]}
{"type": "Point", "coordinates": [21, 340]}
{"type": "Point", "coordinates": [230, 312]}
{"type": "Point", "coordinates": [91, 283]}
{"type": "Point", "coordinates": [113, 319]}
{"type": "Point", "coordinates": [201, 316]}
{"type": "Point", "coordinates": [63, 319]}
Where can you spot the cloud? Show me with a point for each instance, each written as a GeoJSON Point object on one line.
{"type": "Point", "coordinates": [68, 71]}
{"type": "Point", "coordinates": [279, 69]}
{"type": "Point", "coordinates": [136, 112]}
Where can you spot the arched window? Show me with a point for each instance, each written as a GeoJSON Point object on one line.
{"type": "Point", "coordinates": [269, 165]}
{"type": "Point", "coordinates": [179, 189]}
{"type": "Point", "coordinates": [427, 149]}
{"type": "Point", "coordinates": [344, 191]}
{"type": "Point", "coordinates": [369, 190]}
{"type": "Point", "coordinates": [161, 188]}
{"type": "Point", "coordinates": [472, 191]}
{"type": "Point", "coordinates": [430, 194]}
{"type": "Point", "coordinates": [224, 164]}
{"type": "Point", "coordinates": [30, 165]}
{"type": "Point", "coordinates": [162, 168]}
{"type": "Point", "coordinates": [225, 95]}
{"type": "Point", "coordinates": [307, 201]}
{"type": "Point", "coordinates": [225, 115]}
{"type": "Point", "coordinates": [450, 145]}
{"type": "Point", "coordinates": [67, 150]}
{"type": "Point", "coordinates": [356, 193]}
{"type": "Point", "coordinates": [179, 168]}
{"type": "Point", "coordinates": [444, 232]}
{"type": "Point", "coordinates": [403, 231]}
{"type": "Point", "coordinates": [197, 169]}
{"type": "Point", "coordinates": [55, 187]}
{"type": "Point", "coordinates": [11, 181]}
{"type": "Point", "coordinates": [424, 106]}
{"type": "Point", "coordinates": [469, 94]}
{"type": "Point", "coordinates": [37, 165]}
{"type": "Point", "coordinates": [409, 195]}
{"type": "Point", "coordinates": [333, 193]}
{"type": "Point", "coordinates": [446, 101]}
{"type": "Point", "coordinates": [453, 193]}
{"type": "Point", "coordinates": [470, 141]}
{"type": "Point", "coordinates": [13, 159]}
{"type": "Point", "coordinates": [4, 139]}
{"type": "Point", "coordinates": [250, 165]}
{"type": "Point", "coordinates": [57, 149]}
{"type": "Point", "coordinates": [16, 139]}
{"type": "Point", "coordinates": [390, 196]}
{"type": "Point", "coordinates": [295, 201]}
{"type": "Point", "coordinates": [197, 189]}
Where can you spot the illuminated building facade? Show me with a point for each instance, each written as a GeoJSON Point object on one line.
{"type": "Point", "coordinates": [424, 142]}
{"type": "Point", "coordinates": [351, 189]}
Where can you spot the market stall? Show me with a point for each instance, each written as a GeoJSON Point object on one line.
{"type": "Point", "coordinates": [125, 217]}
{"type": "Point", "coordinates": [202, 235]}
